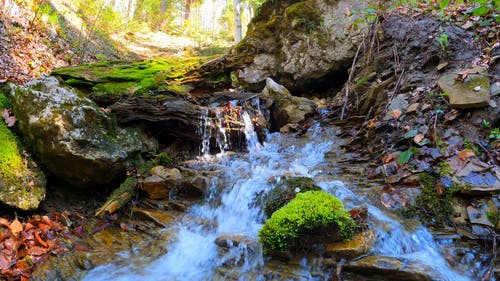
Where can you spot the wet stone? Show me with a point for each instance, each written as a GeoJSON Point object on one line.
{"type": "Point", "coordinates": [360, 244]}
{"type": "Point", "coordinates": [388, 268]}
{"type": "Point", "coordinates": [156, 187]}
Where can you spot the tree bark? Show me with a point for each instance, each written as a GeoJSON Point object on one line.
{"type": "Point", "coordinates": [237, 21]}
{"type": "Point", "coordinates": [163, 6]}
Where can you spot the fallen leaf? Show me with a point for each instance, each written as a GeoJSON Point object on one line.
{"type": "Point", "coordinates": [465, 154]}
{"type": "Point", "coordinates": [396, 113]}
{"type": "Point", "coordinates": [15, 227]}
{"type": "Point", "coordinates": [413, 107]}
{"type": "Point", "coordinates": [418, 138]}
{"type": "Point", "coordinates": [452, 115]}
{"type": "Point", "coordinates": [39, 240]}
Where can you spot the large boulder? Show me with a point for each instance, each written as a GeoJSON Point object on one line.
{"type": "Point", "coordinates": [22, 184]}
{"type": "Point", "coordinates": [301, 43]}
{"type": "Point", "coordinates": [71, 135]}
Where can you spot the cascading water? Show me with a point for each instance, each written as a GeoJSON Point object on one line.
{"type": "Point", "coordinates": [230, 210]}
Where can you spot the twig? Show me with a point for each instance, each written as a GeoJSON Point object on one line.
{"type": "Point", "coordinates": [350, 78]}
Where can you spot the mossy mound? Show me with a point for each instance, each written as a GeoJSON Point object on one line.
{"type": "Point", "coordinates": [309, 213]}
{"type": "Point", "coordinates": [22, 184]}
{"type": "Point", "coordinates": [110, 81]}
{"type": "Point", "coordinates": [285, 191]}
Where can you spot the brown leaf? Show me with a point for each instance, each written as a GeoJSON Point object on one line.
{"type": "Point", "coordinates": [39, 240]}
{"type": "Point", "coordinates": [4, 262]}
{"type": "Point", "coordinates": [15, 227]}
{"type": "Point", "coordinates": [37, 251]}
{"type": "Point", "coordinates": [412, 108]}
{"type": "Point", "coordinates": [418, 138]}
{"type": "Point", "coordinates": [452, 115]}
{"type": "Point", "coordinates": [396, 113]}
{"type": "Point", "coordinates": [465, 154]}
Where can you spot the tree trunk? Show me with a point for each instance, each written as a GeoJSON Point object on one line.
{"type": "Point", "coordinates": [187, 12]}
{"type": "Point", "coordinates": [163, 6]}
{"type": "Point", "coordinates": [237, 21]}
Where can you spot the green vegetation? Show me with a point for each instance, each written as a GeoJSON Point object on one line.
{"type": "Point", "coordinates": [4, 101]}
{"type": "Point", "coordinates": [494, 134]}
{"type": "Point", "coordinates": [112, 80]}
{"type": "Point", "coordinates": [285, 191]}
{"type": "Point", "coordinates": [309, 211]}
{"type": "Point", "coordinates": [434, 204]}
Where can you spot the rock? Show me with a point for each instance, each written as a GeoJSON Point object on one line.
{"type": "Point", "coordinates": [72, 136]}
{"type": "Point", "coordinates": [388, 268]}
{"type": "Point", "coordinates": [110, 244]}
{"type": "Point", "coordinates": [472, 92]}
{"type": "Point", "coordinates": [285, 191]}
{"type": "Point", "coordinates": [162, 218]}
{"type": "Point", "coordinates": [22, 183]}
{"type": "Point", "coordinates": [284, 107]}
{"type": "Point", "coordinates": [302, 44]}
{"type": "Point", "coordinates": [360, 244]}
{"type": "Point", "coordinates": [193, 187]}
{"type": "Point", "coordinates": [400, 102]}
{"type": "Point", "coordinates": [165, 173]}
{"type": "Point", "coordinates": [161, 182]}
{"type": "Point", "coordinates": [156, 187]}
{"type": "Point", "coordinates": [236, 249]}
{"type": "Point", "coordinates": [228, 240]}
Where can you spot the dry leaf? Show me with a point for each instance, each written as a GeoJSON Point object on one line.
{"type": "Point", "coordinates": [466, 153]}
{"type": "Point", "coordinates": [452, 115]}
{"type": "Point", "coordinates": [412, 108]}
{"type": "Point", "coordinates": [418, 138]}
{"type": "Point", "coordinates": [396, 113]}
{"type": "Point", "coordinates": [16, 227]}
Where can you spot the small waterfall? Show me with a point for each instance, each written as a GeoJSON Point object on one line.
{"type": "Point", "coordinates": [204, 132]}
{"type": "Point", "coordinates": [230, 210]}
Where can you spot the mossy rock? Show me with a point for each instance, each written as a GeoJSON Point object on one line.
{"type": "Point", "coordinates": [285, 191]}
{"type": "Point", "coordinates": [309, 216]}
{"type": "Point", "coordinates": [111, 81]}
{"type": "Point", "coordinates": [22, 184]}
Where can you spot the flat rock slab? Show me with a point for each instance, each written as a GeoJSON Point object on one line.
{"type": "Point", "coordinates": [471, 92]}
{"type": "Point", "coordinates": [359, 245]}
{"type": "Point", "coordinates": [389, 268]}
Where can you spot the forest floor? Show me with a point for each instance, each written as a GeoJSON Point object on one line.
{"type": "Point", "coordinates": [31, 47]}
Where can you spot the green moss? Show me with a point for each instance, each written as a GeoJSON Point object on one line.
{"type": "Point", "coordinates": [303, 15]}
{"type": "Point", "coordinates": [432, 206]}
{"type": "Point", "coordinates": [444, 168]}
{"type": "Point", "coordinates": [4, 102]}
{"type": "Point", "coordinates": [121, 78]}
{"type": "Point", "coordinates": [285, 191]}
{"type": "Point", "coordinates": [306, 213]}
{"type": "Point", "coordinates": [11, 162]}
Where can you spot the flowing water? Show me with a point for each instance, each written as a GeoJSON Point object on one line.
{"type": "Point", "coordinates": [230, 209]}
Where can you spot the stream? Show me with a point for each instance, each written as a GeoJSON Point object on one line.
{"type": "Point", "coordinates": [230, 209]}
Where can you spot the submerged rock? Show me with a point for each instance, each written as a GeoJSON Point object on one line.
{"type": "Point", "coordinates": [285, 191]}
{"type": "Point", "coordinates": [72, 136]}
{"type": "Point", "coordinates": [302, 43]}
{"type": "Point", "coordinates": [285, 108]}
{"type": "Point", "coordinates": [360, 244]}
